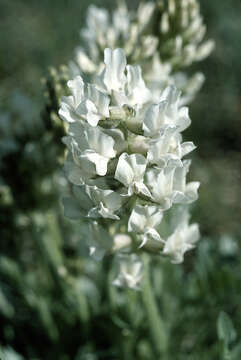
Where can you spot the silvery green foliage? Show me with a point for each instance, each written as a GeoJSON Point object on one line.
{"type": "Point", "coordinates": [163, 38]}
{"type": "Point", "coordinates": [125, 163]}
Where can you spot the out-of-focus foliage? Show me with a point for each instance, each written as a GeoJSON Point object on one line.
{"type": "Point", "coordinates": [217, 129]}
{"type": "Point", "coordinates": [54, 302]}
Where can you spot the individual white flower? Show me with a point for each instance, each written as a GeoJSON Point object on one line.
{"type": "Point", "coordinates": [160, 183]}
{"type": "Point", "coordinates": [175, 114]}
{"type": "Point", "coordinates": [137, 92]}
{"type": "Point", "coordinates": [91, 104]}
{"type": "Point", "coordinates": [92, 202]}
{"type": "Point", "coordinates": [106, 202]}
{"type": "Point", "coordinates": [167, 149]}
{"type": "Point", "coordinates": [186, 193]}
{"type": "Point", "coordinates": [143, 221]}
{"type": "Point", "coordinates": [70, 103]}
{"type": "Point", "coordinates": [91, 147]}
{"type": "Point", "coordinates": [167, 113]}
{"type": "Point", "coordinates": [113, 76]}
{"type": "Point", "coordinates": [130, 272]}
{"type": "Point", "coordinates": [144, 13]}
{"type": "Point", "coordinates": [168, 185]}
{"type": "Point", "coordinates": [183, 239]}
{"type": "Point", "coordinates": [130, 171]}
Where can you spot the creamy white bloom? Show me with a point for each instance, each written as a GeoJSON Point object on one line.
{"type": "Point", "coordinates": [113, 76]}
{"type": "Point", "coordinates": [168, 185]}
{"type": "Point", "coordinates": [143, 220]}
{"type": "Point", "coordinates": [137, 92]}
{"type": "Point", "coordinates": [186, 193]}
{"type": "Point", "coordinates": [106, 202]}
{"type": "Point", "coordinates": [167, 149]}
{"type": "Point", "coordinates": [167, 112]}
{"type": "Point", "coordinates": [91, 147]}
{"type": "Point", "coordinates": [92, 202]}
{"type": "Point", "coordinates": [130, 171]}
{"type": "Point", "coordinates": [183, 239]}
{"type": "Point", "coordinates": [84, 104]}
{"type": "Point", "coordinates": [130, 272]}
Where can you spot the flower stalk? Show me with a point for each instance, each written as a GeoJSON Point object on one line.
{"type": "Point", "coordinates": [156, 323]}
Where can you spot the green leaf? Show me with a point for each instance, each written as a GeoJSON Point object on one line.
{"type": "Point", "coordinates": [225, 328]}
{"type": "Point", "coordinates": [236, 352]}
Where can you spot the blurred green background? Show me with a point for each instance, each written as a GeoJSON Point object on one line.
{"type": "Point", "coordinates": [46, 314]}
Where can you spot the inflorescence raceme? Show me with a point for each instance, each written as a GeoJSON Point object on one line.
{"type": "Point", "coordinates": [126, 163]}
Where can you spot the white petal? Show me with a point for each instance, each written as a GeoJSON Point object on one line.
{"type": "Point", "coordinates": [140, 188]}
{"type": "Point", "coordinates": [137, 219]}
{"type": "Point", "coordinates": [115, 63]}
{"type": "Point", "coordinates": [154, 119]}
{"type": "Point", "coordinates": [137, 90]}
{"type": "Point", "coordinates": [66, 111]}
{"type": "Point", "coordinates": [150, 235]}
{"type": "Point", "coordinates": [119, 138]}
{"type": "Point", "coordinates": [183, 119]}
{"type": "Point", "coordinates": [88, 110]}
{"type": "Point", "coordinates": [107, 213]}
{"type": "Point", "coordinates": [138, 163]}
{"type": "Point", "coordinates": [84, 62]}
{"type": "Point", "coordinates": [192, 191]}
{"type": "Point", "coordinates": [124, 171]}
{"type": "Point", "coordinates": [160, 146]}
{"type": "Point", "coordinates": [100, 142]}
{"type": "Point", "coordinates": [90, 158]}
{"type": "Point", "coordinates": [187, 147]}
{"type": "Point", "coordinates": [100, 100]}
{"type": "Point", "coordinates": [76, 87]}
{"type": "Point", "coordinates": [180, 176]}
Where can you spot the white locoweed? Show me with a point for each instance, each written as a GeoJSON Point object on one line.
{"type": "Point", "coordinates": [125, 164]}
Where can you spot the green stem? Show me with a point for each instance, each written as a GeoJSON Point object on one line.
{"type": "Point", "coordinates": [157, 328]}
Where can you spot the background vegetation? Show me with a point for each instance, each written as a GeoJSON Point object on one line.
{"type": "Point", "coordinates": [54, 302]}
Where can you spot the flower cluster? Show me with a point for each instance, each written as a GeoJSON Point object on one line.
{"type": "Point", "coordinates": [163, 38]}
{"type": "Point", "coordinates": [125, 162]}
{"type": "Point", "coordinates": [182, 32]}
{"type": "Point", "coordinates": [124, 29]}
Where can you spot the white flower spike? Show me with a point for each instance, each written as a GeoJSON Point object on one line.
{"type": "Point", "coordinates": [125, 165]}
